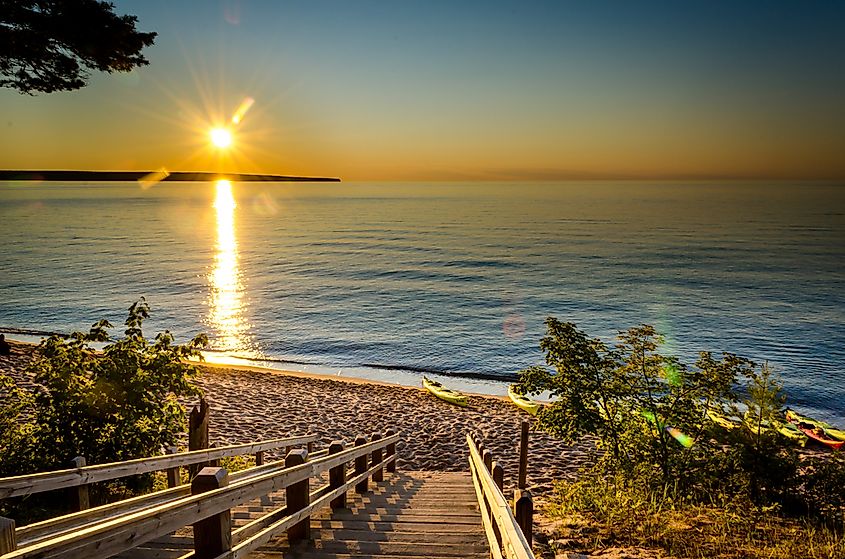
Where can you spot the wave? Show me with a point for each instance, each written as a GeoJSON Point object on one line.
{"type": "Point", "coordinates": [477, 375]}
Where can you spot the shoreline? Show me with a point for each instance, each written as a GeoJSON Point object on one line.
{"type": "Point", "coordinates": [470, 383]}
{"type": "Point", "coordinates": [254, 403]}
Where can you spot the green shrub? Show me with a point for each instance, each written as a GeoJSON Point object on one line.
{"type": "Point", "coordinates": [647, 410]}
{"type": "Point", "coordinates": [16, 428]}
{"type": "Point", "coordinates": [650, 413]}
{"type": "Point", "coordinates": [116, 404]}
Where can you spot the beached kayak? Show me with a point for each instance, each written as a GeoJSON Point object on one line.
{"type": "Point", "coordinates": [722, 420]}
{"type": "Point", "coordinates": [523, 402]}
{"type": "Point", "coordinates": [818, 434]}
{"type": "Point", "coordinates": [794, 417]}
{"type": "Point", "coordinates": [791, 432]}
{"type": "Point", "coordinates": [451, 396]}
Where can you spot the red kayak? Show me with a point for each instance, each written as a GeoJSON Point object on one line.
{"type": "Point", "coordinates": [818, 434]}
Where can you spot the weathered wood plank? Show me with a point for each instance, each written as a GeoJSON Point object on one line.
{"type": "Point", "coordinates": [512, 537]}
{"type": "Point", "coordinates": [212, 535]}
{"type": "Point", "coordinates": [116, 535]}
{"type": "Point", "coordinates": [48, 481]}
{"type": "Point", "coordinates": [371, 535]}
{"type": "Point", "coordinates": [51, 528]}
{"type": "Point", "coordinates": [7, 535]}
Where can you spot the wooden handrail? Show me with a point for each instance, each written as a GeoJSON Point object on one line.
{"type": "Point", "coordinates": [513, 540]}
{"type": "Point", "coordinates": [113, 536]}
{"type": "Point", "coordinates": [53, 527]}
{"type": "Point", "coordinates": [49, 481]}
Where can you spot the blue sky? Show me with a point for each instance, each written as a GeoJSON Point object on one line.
{"type": "Point", "coordinates": [438, 89]}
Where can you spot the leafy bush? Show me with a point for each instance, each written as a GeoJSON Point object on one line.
{"type": "Point", "coordinates": [116, 404]}
{"type": "Point", "coordinates": [16, 428]}
{"type": "Point", "coordinates": [652, 415]}
{"type": "Point", "coordinates": [648, 410]}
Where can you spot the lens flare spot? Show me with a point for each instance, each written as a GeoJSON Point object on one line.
{"type": "Point", "coordinates": [264, 205]}
{"type": "Point", "coordinates": [513, 327]}
{"type": "Point", "coordinates": [151, 179]}
{"type": "Point", "coordinates": [683, 439]}
{"type": "Point", "coordinates": [242, 109]}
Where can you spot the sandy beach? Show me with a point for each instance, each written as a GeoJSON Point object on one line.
{"type": "Point", "coordinates": [250, 404]}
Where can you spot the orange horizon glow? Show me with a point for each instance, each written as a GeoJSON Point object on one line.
{"type": "Point", "coordinates": [593, 97]}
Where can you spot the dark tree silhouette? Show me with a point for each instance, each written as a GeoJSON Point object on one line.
{"type": "Point", "coordinates": [51, 45]}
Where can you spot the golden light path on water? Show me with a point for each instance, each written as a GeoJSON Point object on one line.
{"type": "Point", "coordinates": [226, 313]}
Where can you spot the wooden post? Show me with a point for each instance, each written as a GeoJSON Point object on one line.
{"type": "Point", "coordinates": [297, 498]}
{"type": "Point", "coordinates": [522, 479]}
{"type": "Point", "coordinates": [361, 466]}
{"type": "Point", "coordinates": [213, 463]}
{"type": "Point", "coordinates": [499, 479]}
{"type": "Point", "coordinates": [337, 476]}
{"type": "Point", "coordinates": [310, 447]}
{"type": "Point", "coordinates": [487, 458]}
{"type": "Point", "coordinates": [523, 511]}
{"type": "Point", "coordinates": [7, 536]}
{"type": "Point", "coordinates": [391, 451]}
{"type": "Point", "coordinates": [173, 478]}
{"type": "Point", "coordinates": [198, 432]}
{"type": "Point", "coordinates": [79, 495]}
{"type": "Point", "coordinates": [498, 474]}
{"type": "Point", "coordinates": [288, 449]}
{"type": "Point", "coordinates": [378, 475]}
{"type": "Point", "coordinates": [212, 535]}
{"type": "Point", "coordinates": [259, 458]}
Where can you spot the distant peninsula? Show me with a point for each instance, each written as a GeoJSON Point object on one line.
{"type": "Point", "coordinates": [175, 176]}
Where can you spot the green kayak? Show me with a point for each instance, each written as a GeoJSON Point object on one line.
{"type": "Point", "coordinates": [451, 396]}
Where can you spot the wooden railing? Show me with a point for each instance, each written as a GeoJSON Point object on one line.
{"type": "Point", "coordinates": [214, 493]}
{"type": "Point", "coordinates": [50, 528]}
{"type": "Point", "coordinates": [81, 476]}
{"type": "Point", "coordinates": [504, 535]}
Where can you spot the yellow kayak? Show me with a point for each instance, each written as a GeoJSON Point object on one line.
{"type": "Point", "coordinates": [791, 432]}
{"type": "Point", "coordinates": [451, 396]}
{"type": "Point", "coordinates": [721, 420]}
{"type": "Point", "coordinates": [524, 402]}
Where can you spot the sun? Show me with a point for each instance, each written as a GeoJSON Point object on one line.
{"type": "Point", "coordinates": [221, 137]}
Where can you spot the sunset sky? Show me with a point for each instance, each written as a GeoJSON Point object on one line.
{"type": "Point", "coordinates": [442, 89]}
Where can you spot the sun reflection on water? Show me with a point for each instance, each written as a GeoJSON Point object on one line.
{"type": "Point", "coordinates": [226, 312]}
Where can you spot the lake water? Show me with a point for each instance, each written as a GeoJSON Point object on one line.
{"type": "Point", "coordinates": [387, 280]}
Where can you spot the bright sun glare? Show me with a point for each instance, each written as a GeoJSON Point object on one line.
{"type": "Point", "coordinates": [221, 137]}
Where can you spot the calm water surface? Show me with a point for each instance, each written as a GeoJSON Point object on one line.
{"type": "Point", "coordinates": [384, 280]}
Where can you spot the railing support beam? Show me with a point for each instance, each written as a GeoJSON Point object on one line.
{"type": "Point", "coordinates": [337, 476]}
{"type": "Point", "coordinates": [378, 475]}
{"type": "Point", "coordinates": [297, 498]}
{"type": "Point", "coordinates": [522, 478]}
{"type": "Point", "coordinates": [212, 535]}
{"type": "Point", "coordinates": [79, 498]}
{"type": "Point", "coordinates": [523, 511]}
{"type": "Point", "coordinates": [391, 450]}
{"type": "Point", "coordinates": [172, 473]}
{"type": "Point", "coordinates": [361, 466]}
{"type": "Point", "coordinates": [7, 536]}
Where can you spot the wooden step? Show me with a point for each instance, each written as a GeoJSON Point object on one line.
{"type": "Point", "coordinates": [422, 535]}
{"type": "Point", "coordinates": [409, 526]}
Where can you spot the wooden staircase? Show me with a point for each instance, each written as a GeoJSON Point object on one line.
{"type": "Point", "coordinates": [409, 515]}
{"type": "Point", "coordinates": [344, 501]}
